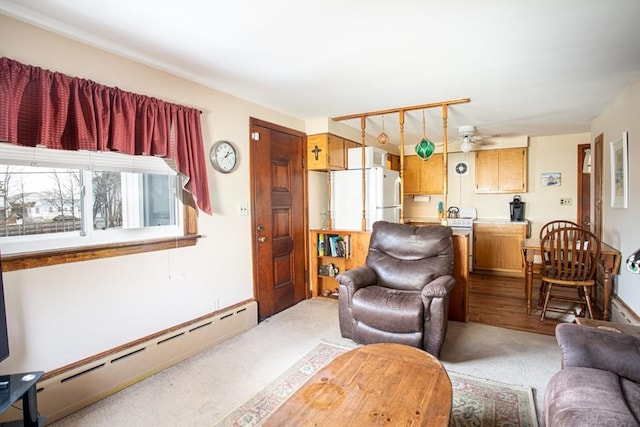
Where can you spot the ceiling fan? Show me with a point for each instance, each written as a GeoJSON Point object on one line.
{"type": "Point", "coordinates": [467, 136]}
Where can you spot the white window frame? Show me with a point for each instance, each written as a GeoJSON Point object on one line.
{"type": "Point", "coordinates": [87, 161]}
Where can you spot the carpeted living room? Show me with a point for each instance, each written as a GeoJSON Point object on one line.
{"type": "Point", "coordinates": [498, 375]}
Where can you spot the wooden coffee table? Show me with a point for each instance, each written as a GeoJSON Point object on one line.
{"type": "Point", "coordinates": [377, 384]}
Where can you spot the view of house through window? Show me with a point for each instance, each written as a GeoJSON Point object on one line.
{"type": "Point", "coordinates": [45, 201]}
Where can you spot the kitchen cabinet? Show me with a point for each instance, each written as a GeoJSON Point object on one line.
{"type": "Point", "coordinates": [326, 151]}
{"type": "Point", "coordinates": [423, 176]}
{"type": "Point", "coordinates": [497, 248]}
{"type": "Point", "coordinates": [501, 171]}
{"type": "Point", "coordinates": [393, 162]}
{"type": "Point", "coordinates": [356, 254]}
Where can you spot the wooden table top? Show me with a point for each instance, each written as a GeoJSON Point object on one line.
{"type": "Point", "coordinates": [377, 384]}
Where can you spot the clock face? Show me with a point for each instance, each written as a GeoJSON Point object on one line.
{"type": "Point", "coordinates": [223, 156]}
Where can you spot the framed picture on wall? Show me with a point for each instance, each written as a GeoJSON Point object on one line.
{"type": "Point", "coordinates": [619, 172]}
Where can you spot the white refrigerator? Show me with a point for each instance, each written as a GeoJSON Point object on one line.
{"type": "Point", "coordinates": [382, 197]}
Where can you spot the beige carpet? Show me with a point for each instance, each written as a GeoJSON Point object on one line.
{"type": "Point", "coordinates": [203, 389]}
{"type": "Point", "coordinates": [477, 402]}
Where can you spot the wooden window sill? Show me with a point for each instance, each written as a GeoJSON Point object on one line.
{"type": "Point", "coordinates": [86, 253]}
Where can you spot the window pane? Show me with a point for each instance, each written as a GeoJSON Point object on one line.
{"type": "Point", "coordinates": [107, 200]}
{"type": "Point", "coordinates": [159, 200]}
{"type": "Point", "coordinates": [36, 200]}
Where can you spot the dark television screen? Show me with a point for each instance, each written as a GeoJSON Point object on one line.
{"type": "Point", "coordinates": [4, 336]}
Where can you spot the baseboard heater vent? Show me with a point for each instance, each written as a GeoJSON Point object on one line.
{"type": "Point", "coordinates": [71, 388]}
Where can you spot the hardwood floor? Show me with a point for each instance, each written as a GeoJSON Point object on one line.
{"type": "Point", "coordinates": [500, 301]}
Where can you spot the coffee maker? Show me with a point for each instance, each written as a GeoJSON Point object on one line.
{"type": "Point", "coordinates": [517, 209]}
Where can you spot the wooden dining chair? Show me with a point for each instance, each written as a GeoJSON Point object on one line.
{"type": "Point", "coordinates": [546, 228]}
{"type": "Point", "coordinates": [573, 254]}
{"type": "Point", "coordinates": [556, 223]}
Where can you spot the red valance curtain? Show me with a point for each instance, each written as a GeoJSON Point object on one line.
{"type": "Point", "coordinates": [41, 107]}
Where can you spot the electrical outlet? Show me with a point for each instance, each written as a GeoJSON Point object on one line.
{"type": "Point", "coordinates": [243, 209]}
{"type": "Point", "coordinates": [565, 202]}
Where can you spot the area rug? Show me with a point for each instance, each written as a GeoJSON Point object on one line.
{"type": "Point", "coordinates": [477, 402]}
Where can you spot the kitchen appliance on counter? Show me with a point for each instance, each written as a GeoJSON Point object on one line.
{"type": "Point", "coordinates": [463, 224]}
{"type": "Point", "coordinates": [516, 208]}
{"type": "Point", "coordinates": [382, 197]}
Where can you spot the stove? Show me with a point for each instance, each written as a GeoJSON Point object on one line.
{"type": "Point", "coordinates": [464, 224]}
{"type": "Point", "coordinates": [467, 216]}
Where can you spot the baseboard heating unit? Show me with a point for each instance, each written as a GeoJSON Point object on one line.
{"type": "Point", "coordinates": [68, 389]}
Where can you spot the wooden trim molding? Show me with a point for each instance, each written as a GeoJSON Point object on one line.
{"type": "Point", "coordinates": [85, 253]}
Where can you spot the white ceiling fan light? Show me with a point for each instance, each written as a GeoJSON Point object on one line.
{"type": "Point", "coordinates": [465, 145]}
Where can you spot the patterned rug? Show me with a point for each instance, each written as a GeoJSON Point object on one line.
{"type": "Point", "coordinates": [477, 402]}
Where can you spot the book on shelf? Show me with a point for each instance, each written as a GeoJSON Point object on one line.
{"type": "Point", "coordinates": [334, 245]}
{"type": "Point", "coordinates": [321, 247]}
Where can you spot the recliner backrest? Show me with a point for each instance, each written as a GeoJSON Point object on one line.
{"type": "Point", "coordinates": [408, 257]}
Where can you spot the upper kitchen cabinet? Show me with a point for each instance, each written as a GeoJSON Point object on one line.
{"type": "Point", "coordinates": [423, 176]}
{"type": "Point", "coordinates": [327, 152]}
{"type": "Point", "coordinates": [501, 171]}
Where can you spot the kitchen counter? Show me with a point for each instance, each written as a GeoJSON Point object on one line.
{"type": "Point", "coordinates": [500, 221]}
{"type": "Point", "coordinates": [496, 221]}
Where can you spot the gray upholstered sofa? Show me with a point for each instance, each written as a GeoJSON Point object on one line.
{"type": "Point", "coordinates": [599, 383]}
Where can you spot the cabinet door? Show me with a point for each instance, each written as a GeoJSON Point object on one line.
{"type": "Point", "coordinates": [501, 171]}
{"type": "Point", "coordinates": [485, 249]}
{"type": "Point", "coordinates": [423, 176]}
{"type": "Point", "coordinates": [487, 172]}
{"type": "Point", "coordinates": [498, 248]}
{"type": "Point", "coordinates": [411, 177]}
{"type": "Point", "coordinates": [432, 175]}
{"type": "Point", "coordinates": [513, 170]}
{"type": "Point", "coordinates": [337, 153]}
{"type": "Point", "coordinates": [317, 152]}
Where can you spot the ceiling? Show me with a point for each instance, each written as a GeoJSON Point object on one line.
{"type": "Point", "coordinates": [529, 67]}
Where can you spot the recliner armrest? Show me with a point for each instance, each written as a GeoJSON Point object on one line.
{"type": "Point", "coordinates": [589, 347]}
{"type": "Point", "coordinates": [439, 287]}
{"type": "Point", "coordinates": [357, 278]}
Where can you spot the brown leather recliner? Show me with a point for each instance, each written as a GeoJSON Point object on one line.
{"type": "Point", "coordinates": [401, 295]}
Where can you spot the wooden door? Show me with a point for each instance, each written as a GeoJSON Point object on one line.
{"type": "Point", "coordinates": [279, 221]}
{"type": "Point", "coordinates": [584, 187]}
{"type": "Point", "coordinates": [596, 168]}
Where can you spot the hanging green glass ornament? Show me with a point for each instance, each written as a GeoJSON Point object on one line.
{"type": "Point", "coordinates": [425, 148]}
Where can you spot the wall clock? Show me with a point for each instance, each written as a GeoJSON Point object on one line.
{"type": "Point", "coordinates": [223, 156]}
{"type": "Point", "coordinates": [462, 168]}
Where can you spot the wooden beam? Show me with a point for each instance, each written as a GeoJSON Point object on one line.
{"type": "Point", "coordinates": [397, 110]}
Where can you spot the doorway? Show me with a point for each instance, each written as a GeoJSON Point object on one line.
{"type": "Point", "coordinates": [584, 186]}
{"type": "Point", "coordinates": [279, 221]}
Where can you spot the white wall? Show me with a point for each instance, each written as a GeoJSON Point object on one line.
{"type": "Point", "coordinates": [60, 314]}
{"type": "Point", "coordinates": [622, 226]}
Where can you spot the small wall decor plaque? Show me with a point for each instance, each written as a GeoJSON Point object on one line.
{"type": "Point", "coordinates": [550, 179]}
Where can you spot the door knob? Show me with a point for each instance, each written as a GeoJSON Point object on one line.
{"type": "Point", "coordinates": [260, 228]}
{"type": "Point", "coordinates": [262, 239]}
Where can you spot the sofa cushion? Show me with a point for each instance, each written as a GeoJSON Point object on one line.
{"type": "Point", "coordinates": [586, 397]}
{"type": "Point", "coordinates": [388, 309]}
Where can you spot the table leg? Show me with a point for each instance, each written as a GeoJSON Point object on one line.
{"type": "Point", "coordinates": [528, 283]}
{"type": "Point", "coordinates": [607, 263]}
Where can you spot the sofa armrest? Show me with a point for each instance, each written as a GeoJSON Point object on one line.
{"type": "Point", "coordinates": [589, 347]}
